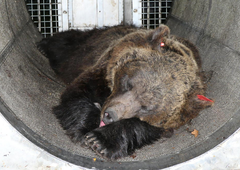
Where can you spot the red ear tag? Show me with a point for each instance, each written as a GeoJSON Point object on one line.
{"type": "Point", "coordinates": [162, 44]}
{"type": "Point", "coordinates": [201, 97]}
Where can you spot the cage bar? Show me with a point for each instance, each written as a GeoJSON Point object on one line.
{"type": "Point", "coordinates": [155, 12]}
{"type": "Point", "coordinates": [44, 14]}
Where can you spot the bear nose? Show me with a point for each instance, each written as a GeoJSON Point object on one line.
{"type": "Point", "coordinates": [109, 116]}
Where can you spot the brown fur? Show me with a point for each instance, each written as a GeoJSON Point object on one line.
{"type": "Point", "coordinates": [166, 80]}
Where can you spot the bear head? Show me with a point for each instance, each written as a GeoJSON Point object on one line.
{"type": "Point", "coordinates": [150, 73]}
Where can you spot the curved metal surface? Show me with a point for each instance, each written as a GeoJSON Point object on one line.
{"type": "Point", "coordinates": [29, 88]}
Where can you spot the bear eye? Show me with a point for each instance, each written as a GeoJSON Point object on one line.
{"type": "Point", "coordinates": [126, 84]}
{"type": "Point", "coordinates": [143, 110]}
{"type": "Point", "coordinates": [148, 109]}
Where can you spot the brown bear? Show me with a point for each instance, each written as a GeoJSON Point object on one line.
{"type": "Point", "coordinates": [126, 86]}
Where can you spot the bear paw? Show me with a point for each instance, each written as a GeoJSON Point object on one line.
{"type": "Point", "coordinates": [105, 147]}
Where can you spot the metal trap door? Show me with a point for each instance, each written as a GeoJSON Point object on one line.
{"type": "Point", "coordinates": [51, 16]}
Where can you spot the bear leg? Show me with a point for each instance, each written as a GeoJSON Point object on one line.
{"type": "Point", "coordinates": [77, 117]}
{"type": "Point", "coordinates": [121, 138]}
{"type": "Point", "coordinates": [79, 109]}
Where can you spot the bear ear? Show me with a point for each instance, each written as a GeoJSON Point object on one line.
{"type": "Point", "coordinates": [160, 32]}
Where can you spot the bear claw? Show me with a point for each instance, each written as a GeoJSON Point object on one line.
{"type": "Point", "coordinates": [96, 145]}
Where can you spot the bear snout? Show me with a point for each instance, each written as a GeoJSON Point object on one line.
{"type": "Point", "coordinates": [124, 106]}
{"type": "Point", "coordinates": [109, 116]}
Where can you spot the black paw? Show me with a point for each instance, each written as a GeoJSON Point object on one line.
{"type": "Point", "coordinates": [77, 117]}
{"type": "Point", "coordinates": [95, 144]}
{"type": "Point", "coordinates": [105, 147]}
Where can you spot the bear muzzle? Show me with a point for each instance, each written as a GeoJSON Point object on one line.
{"type": "Point", "coordinates": [109, 116]}
{"type": "Point", "coordinates": [120, 107]}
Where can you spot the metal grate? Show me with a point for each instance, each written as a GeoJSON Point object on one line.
{"type": "Point", "coordinates": [44, 14]}
{"type": "Point", "coordinates": [155, 12]}
{"type": "Point", "coordinates": [47, 15]}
